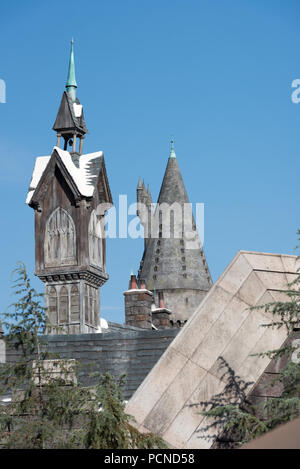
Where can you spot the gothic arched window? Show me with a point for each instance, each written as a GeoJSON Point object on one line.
{"type": "Point", "coordinates": [52, 306]}
{"type": "Point", "coordinates": [60, 239]}
{"type": "Point", "coordinates": [74, 304]}
{"type": "Point", "coordinates": [95, 310]}
{"type": "Point", "coordinates": [63, 305]}
{"type": "Point", "coordinates": [91, 305]}
{"type": "Point", "coordinates": [95, 240]}
{"type": "Point", "coordinates": [86, 304]}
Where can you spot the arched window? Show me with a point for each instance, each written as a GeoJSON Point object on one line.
{"type": "Point", "coordinates": [95, 309]}
{"type": "Point", "coordinates": [95, 240]}
{"type": "Point", "coordinates": [63, 306]}
{"type": "Point", "coordinates": [60, 239]}
{"type": "Point", "coordinates": [91, 305]}
{"type": "Point", "coordinates": [86, 304]}
{"type": "Point", "coordinates": [52, 305]}
{"type": "Point", "coordinates": [74, 304]}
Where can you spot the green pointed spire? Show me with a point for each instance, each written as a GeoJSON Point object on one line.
{"type": "Point", "coordinates": [172, 152]}
{"type": "Point", "coordinates": [71, 81]}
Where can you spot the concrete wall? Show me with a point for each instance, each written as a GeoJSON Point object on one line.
{"type": "Point", "coordinates": [168, 402]}
{"type": "Point", "coordinates": [133, 352]}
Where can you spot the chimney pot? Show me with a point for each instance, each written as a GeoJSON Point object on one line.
{"type": "Point", "coordinates": [161, 299]}
{"type": "Point", "coordinates": [133, 282]}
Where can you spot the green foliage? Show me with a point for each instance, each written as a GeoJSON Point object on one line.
{"type": "Point", "coordinates": [114, 428]}
{"type": "Point", "coordinates": [25, 319]}
{"type": "Point", "coordinates": [48, 409]}
{"type": "Point", "coordinates": [287, 406]}
{"type": "Point", "coordinates": [230, 412]}
{"type": "Point", "coordinates": [285, 314]}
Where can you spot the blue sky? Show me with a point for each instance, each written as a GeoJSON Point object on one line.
{"type": "Point", "coordinates": [216, 74]}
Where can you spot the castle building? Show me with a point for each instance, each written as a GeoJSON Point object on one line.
{"type": "Point", "coordinates": [173, 265]}
{"type": "Point", "coordinates": [70, 195]}
{"type": "Point", "coordinates": [170, 371]}
{"type": "Point", "coordinates": [69, 192]}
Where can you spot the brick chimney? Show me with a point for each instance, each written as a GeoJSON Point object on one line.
{"type": "Point", "coordinates": [138, 302]}
{"type": "Point", "coordinates": [161, 315]}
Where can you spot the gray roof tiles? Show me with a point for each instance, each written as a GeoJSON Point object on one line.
{"type": "Point", "coordinates": [168, 263]}
{"type": "Point", "coordinates": [66, 119]}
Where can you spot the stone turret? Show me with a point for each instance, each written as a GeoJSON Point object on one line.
{"type": "Point", "coordinates": [144, 210]}
{"type": "Point", "coordinates": [172, 264]}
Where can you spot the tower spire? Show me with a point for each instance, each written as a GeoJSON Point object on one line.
{"type": "Point", "coordinates": [69, 122]}
{"type": "Point", "coordinates": [172, 152]}
{"type": "Point", "coordinates": [71, 84]}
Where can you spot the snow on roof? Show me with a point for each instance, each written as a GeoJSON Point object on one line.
{"type": "Point", "coordinates": [39, 167]}
{"type": "Point", "coordinates": [103, 323]}
{"type": "Point", "coordinates": [77, 109]}
{"type": "Point", "coordinates": [84, 174]}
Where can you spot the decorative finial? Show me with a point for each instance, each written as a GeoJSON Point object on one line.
{"type": "Point", "coordinates": [71, 81]}
{"type": "Point", "coordinates": [172, 152]}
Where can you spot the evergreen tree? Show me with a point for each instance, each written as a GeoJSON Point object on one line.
{"type": "Point", "coordinates": [48, 408]}
{"type": "Point", "coordinates": [231, 415]}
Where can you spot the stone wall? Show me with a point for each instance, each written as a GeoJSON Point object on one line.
{"type": "Point", "coordinates": [182, 302]}
{"type": "Point", "coordinates": [133, 352]}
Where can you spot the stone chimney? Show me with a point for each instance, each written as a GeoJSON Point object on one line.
{"type": "Point", "coordinates": [161, 315]}
{"type": "Point", "coordinates": [138, 302]}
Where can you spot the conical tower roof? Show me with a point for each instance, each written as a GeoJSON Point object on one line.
{"type": "Point", "coordinates": [172, 188]}
{"type": "Point", "coordinates": [170, 263]}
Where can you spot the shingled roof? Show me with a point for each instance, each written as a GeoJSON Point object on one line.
{"type": "Point", "coordinates": [70, 116]}
{"type": "Point", "coordinates": [172, 188]}
{"type": "Point", "coordinates": [84, 171]}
